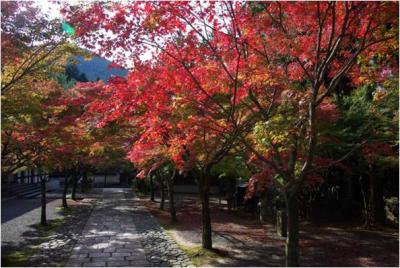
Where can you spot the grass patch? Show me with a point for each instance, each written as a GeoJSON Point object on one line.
{"type": "Point", "coordinates": [200, 256]}
{"type": "Point", "coordinates": [197, 255]}
{"type": "Point", "coordinates": [51, 227]}
{"type": "Point", "coordinates": [17, 258]}
{"type": "Point", "coordinates": [67, 210]}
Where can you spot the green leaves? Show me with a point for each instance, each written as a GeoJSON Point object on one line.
{"type": "Point", "coordinates": [231, 167]}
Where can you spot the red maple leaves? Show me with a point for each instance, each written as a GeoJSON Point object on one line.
{"type": "Point", "coordinates": [218, 68]}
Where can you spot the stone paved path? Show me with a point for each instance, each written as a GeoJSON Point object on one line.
{"type": "Point", "coordinates": [161, 250]}
{"type": "Point", "coordinates": [57, 248]}
{"type": "Point", "coordinates": [114, 236]}
{"type": "Point", "coordinates": [110, 237]}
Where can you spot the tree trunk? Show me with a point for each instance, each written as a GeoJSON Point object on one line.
{"type": "Point", "coordinates": [204, 186]}
{"type": "Point", "coordinates": [151, 188]}
{"type": "Point", "coordinates": [364, 201]}
{"type": "Point", "coordinates": [83, 183]}
{"type": "Point", "coordinates": [43, 218]}
{"type": "Point", "coordinates": [74, 186]}
{"type": "Point", "coordinates": [292, 239]}
{"type": "Point", "coordinates": [170, 186]}
{"type": "Point", "coordinates": [162, 196]}
{"type": "Point", "coordinates": [64, 197]}
{"type": "Point", "coordinates": [374, 216]}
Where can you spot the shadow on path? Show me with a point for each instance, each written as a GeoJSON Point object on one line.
{"type": "Point", "coordinates": [13, 208]}
{"type": "Point", "coordinates": [250, 243]}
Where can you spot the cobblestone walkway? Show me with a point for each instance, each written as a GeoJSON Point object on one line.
{"type": "Point", "coordinates": [49, 247]}
{"type": "Point", "coordinates": [114, 236]}
{"type": "Point", "coordinates": [161, 250]}
{"type": "Point", "coordinates": [57, 249]}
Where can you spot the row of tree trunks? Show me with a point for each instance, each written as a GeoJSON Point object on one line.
{"type": "Point", "coordinates": [169, 184]}
{"type": "Point", "coordinates": [203, 186]}
{"type": "Point", "coordinates": [74, 178]}
{"type": "Point", "coordinates": [43, 181]}
{"type": "Point", "coordinates": [374, 215]}
{"type": "Point", "coordinates": [203, 181]}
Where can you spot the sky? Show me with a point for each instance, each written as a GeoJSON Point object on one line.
{"type": "Point", "coordinates": [51, 8]}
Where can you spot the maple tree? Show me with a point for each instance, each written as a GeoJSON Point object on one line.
{"type": "Point", "coordinates": [62, 139]}
{"type": "Point", "coordinates": [74, 145]}
{"type": "Point", "coordinates": [88, 147]}
{"type": "Point", "coordinates": [26, 131]}
{"type": "Point", "coordinates": [43, 139]}
{"type": "Point", "coordinates": [23, 124]}
{"type": "Point", "coordinates": [168, 129]}
{"type": "Point", "coordinates": [257, 74]}
{"type": "Point", "coordinates": [31, 44]}
{"type": "Point", "coordinates": [42, 126]}
{"type": "Point", "coordinates": [33, 51]}
{"type": "Point", "coordinates": [322, 42]}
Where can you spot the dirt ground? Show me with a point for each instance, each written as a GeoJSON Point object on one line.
{"type": "Point", "coordinates": [241, 240]}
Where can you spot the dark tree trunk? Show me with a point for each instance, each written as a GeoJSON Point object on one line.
{"type": "Point", "coordinates": [170, 185]}
{"type": "Point", "coordinates": [74, 186]}
{"type": "Point", "coordinates": [162, 195]}
{"type": "Point", "coordinates": [204, 187]}
{"type": "Point", "coordinates": [374, 215]}
{"type": "Point", "coordinates": [151, 188]}
{"type": "Point", "coordinates": [292, 239]}
{"type": "Point", "coordinates": [43, 218]}
{"type": "Point", "coordinates": [64, 196]}
{"type": "Point", "coordinates": [364, 201]}
{"type": "Point", "coordinates": [84, 181]}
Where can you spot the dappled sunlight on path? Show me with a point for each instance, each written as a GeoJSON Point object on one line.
{"type": "Point", "coordinates": [110, 237]}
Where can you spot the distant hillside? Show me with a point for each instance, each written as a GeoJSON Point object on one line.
{"type": "Point", "coordinates": [97, 68]}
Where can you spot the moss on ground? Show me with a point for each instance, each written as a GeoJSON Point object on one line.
{"type": "Point", "coordinates": [200, 256]}
{"type": "Point", "coordinates": [197, 255]}
{"type": "Point", "coordinates": [51, 227]}
{"type": "Point", "coordinates": [67, 210]}
{"type": "Point", "coordinates": [17, 258]}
